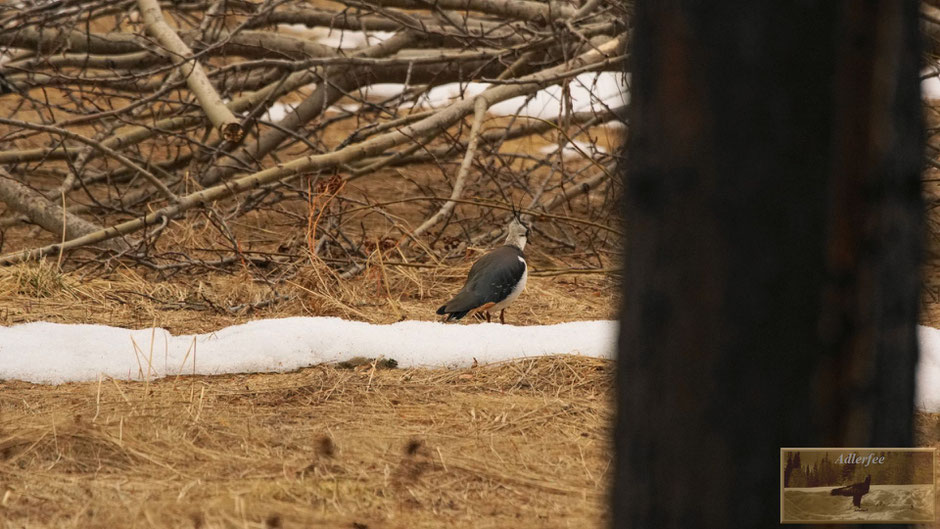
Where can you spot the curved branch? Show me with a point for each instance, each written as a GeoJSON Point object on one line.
{"type": "Point", "coordinates": [44, 213]}
{"type": "Point", "coordinates": [123, 160]}
{"type": "Point", "coordinates": [518, 9]}
{"type": "Point", "coordinates": [479, 111]}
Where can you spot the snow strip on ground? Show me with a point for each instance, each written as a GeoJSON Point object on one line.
{"type": "Point", "coordinates": [595, 92]}
{"type": "Point", "coordinates": [928, 369]}
{"type": "Point", "coordinates": [54, 353]}
{"type": "Point", "coordinates": [575, 149]}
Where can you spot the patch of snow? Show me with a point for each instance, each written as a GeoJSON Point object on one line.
{"type": "Point", "coordinates": [575, 149]}
{"type": "Point", "coordinates": [883, 502]}
{"type": "Point", "coordinates": [298, 28]}
{"type": "Point", "coordinates": [445, 94]}
{"type": "Point", "coordinates": [347, 107]}
{"type": "Point", "coordinates": [589, 91]}
{"type": "Point", "coordinates": [278, 111]}
{"type": "Point", "coordinates": [55, 353]}
{"type": "Point", "coordinates": [382, 90]}
{"type": "Point", "coordinates": [928, 369]}
{"type": "Point", "coordinates": [338, 38]}
{"type": "Point", "coordinates": [930, 87]}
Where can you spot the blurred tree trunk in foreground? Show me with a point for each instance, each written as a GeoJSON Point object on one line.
{"type": "Point", "coordinates": [773, 217]}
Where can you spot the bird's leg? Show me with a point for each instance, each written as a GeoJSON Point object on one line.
{"type": "Point", "coordinates": [502, 319]}
{"type": "Point", "coordinates": [487, 316]}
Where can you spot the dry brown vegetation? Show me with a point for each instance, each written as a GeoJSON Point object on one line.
{"type": "Point", "coordinates": [370, 237]}
{"type": "Point", "coordinates": [523, 444]}
{"type": "Point", "coordinates": [124, 159]}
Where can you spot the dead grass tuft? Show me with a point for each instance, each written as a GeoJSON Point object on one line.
{"type": "Point", "coordinates": [37, 280]}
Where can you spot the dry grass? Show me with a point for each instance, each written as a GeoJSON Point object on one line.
{"type": "Point", "coordinates": [519, 444]}
{"type": "Point", "coordinates": [201, 303]}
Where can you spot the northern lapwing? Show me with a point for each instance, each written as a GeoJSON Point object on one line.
{"type": "Point", "coordinates": [494, 281]}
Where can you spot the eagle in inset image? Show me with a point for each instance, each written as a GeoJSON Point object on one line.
{"type": "Point", "coordinates": [855, 490]}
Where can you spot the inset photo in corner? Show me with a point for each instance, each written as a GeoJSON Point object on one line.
{"type": "Point", "coordinates": [852, 485]}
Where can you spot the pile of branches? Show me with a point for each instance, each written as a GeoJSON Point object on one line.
{"type": "Point", "coordinates": [132, 116]}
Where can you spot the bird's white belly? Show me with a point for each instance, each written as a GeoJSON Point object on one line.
{"type": "Point", "coordinates": [520, 286]}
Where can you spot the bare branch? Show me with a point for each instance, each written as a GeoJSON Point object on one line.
{"type": "Point", "coordinates": [220, 116]}
{"type": "Point", "coordinates": [46, 214]}
{"type": "Point", "coordinates": [479, 112]}
{"type": "Point", "coordinates": [100, 147]}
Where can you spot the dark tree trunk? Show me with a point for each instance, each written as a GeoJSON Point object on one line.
{"type": "Point", "coordinates": [774, 221]}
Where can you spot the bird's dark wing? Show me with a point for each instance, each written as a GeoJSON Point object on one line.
{"type": "Point", "coordinates": [495, 275]}
{"type": "Point", "coordinates": [855, 490]}
{"type": "Point", "coordinates": [842, 491]}
{"type": "Point", "coordinates": [490, 280]}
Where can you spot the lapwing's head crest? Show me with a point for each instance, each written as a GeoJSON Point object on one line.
{"type": "Point", "coordinates": [518, 217]}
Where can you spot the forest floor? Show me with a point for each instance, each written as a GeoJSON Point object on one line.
{"type": "Point", "coordinates": [521, 444]}
{"type": "Point", "coordinates": [517, 444]}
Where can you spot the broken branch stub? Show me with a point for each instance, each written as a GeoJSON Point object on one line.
{"type": "Point", "coordinates": [197, 80]}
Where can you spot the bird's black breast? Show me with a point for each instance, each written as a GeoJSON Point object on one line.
{"type": "Point", "coordinates": [496, 274]}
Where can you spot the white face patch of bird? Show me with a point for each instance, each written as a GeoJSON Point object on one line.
{"type": "Point", "coordinates": [516, 234]}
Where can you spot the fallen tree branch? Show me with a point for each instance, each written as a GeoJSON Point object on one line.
{"type": "Point", "coordinates": [577, 189]}
{"type": "Point", "coordinates": [123, 160]}
{"type": "Point", "coordinates": [229, 126]}
{"type": "Point", "coordinates": [327, 92]}
{"type": "Point", "coordinates": [518, 9]}
{"type": "Point", "coordinates": [44, 213]}
{"type": "Point", "coordinates": [418, 131]}
{"type": "Point", "coordinates": [490, 137]}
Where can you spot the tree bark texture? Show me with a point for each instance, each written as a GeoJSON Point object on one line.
{"type": "Point", "coordinates": [774, 226]}
{"type": "Point", "coordinates": [42, 212]}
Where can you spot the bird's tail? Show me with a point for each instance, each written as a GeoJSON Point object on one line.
{"type": "Point", "coordinates": [460, 306]}
{"type": "Point", "coordinates": [452, 315]}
